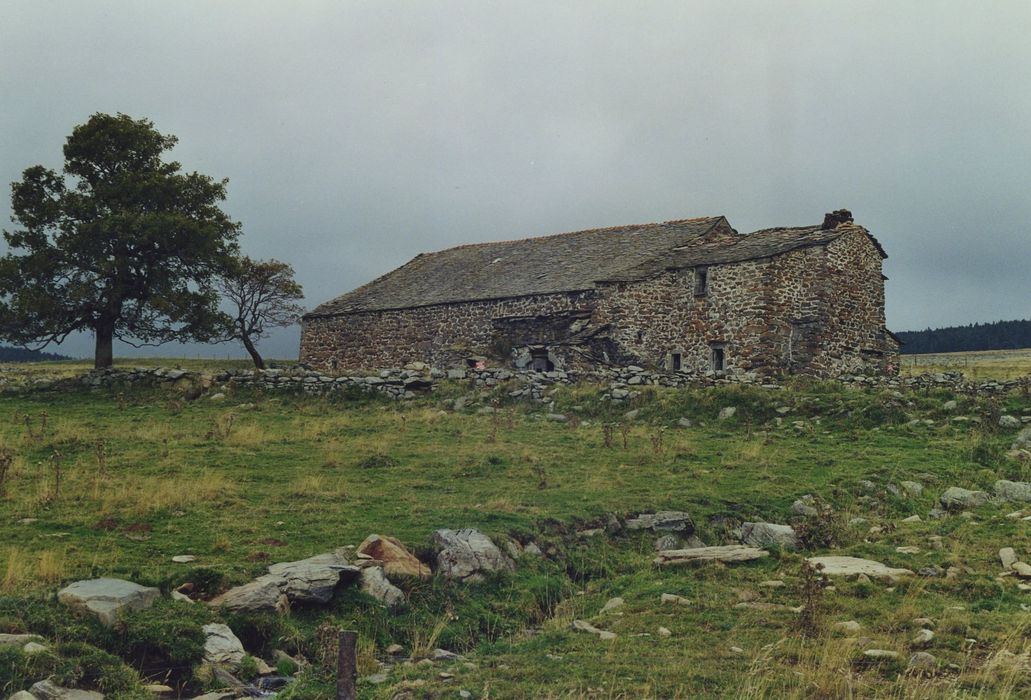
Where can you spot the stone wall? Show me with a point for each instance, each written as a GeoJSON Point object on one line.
{"type": "Point", "coordinates": [441, 335]}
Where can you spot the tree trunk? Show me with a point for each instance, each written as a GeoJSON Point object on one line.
{"type": "Point", "coordinates": [104, 356]}
{"type": "Point", "coordinates": [258, 362]}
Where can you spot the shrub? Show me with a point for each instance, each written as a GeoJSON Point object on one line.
{"type": "Point", "coordinates": [83, 665]}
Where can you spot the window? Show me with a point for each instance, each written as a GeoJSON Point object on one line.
{"type": "Point", "coordinates": [718, 358]}
{"type": "Point", "coordinates": [701, 281]}
{"type": "Point", "coordinates": [676, 361]}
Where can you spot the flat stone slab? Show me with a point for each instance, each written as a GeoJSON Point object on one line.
{"type": "Point", "coordinates": [728, 554]}
{"type": "Point", "coordinates": [262, 594]}
{"type": "Point", "coordinates": [853, 566]}
{"type": "Point", "coordinates": [18, 640]}
{"type": "Point", "coordinates": [106, 597]}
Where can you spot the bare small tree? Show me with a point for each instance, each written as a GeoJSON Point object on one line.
{"type": "Point", "coordinates": [263, 295]}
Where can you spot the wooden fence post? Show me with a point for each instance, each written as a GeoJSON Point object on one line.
{"type": "Point", "coordinates": [347, 665]}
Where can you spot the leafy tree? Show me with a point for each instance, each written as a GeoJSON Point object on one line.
{"type": "Point", "coordinates": [122, 244]}
{"type": "Point", "coordinates": [263, 295]}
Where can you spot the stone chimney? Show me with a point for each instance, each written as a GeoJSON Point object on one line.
{"type": "Point", "coordinates": [835, 218]}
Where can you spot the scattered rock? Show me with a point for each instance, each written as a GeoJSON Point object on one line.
{"type": "Point", "coordinates": [1008, 557]}
{"type": "Point", "coordinates": [1013, 490]}
{"type": "Point", "coordinates": [467, 554]}
{"type": "Point", "coordinates": [851, 566]}
{"type": "Point", "coordinates": [221, 646]}
{"type": "Point", "coordinates": [1021, 569]}
{"type": "Point", "coordinates": [848, 627]}
{"type": "Point", "coordinates": [667, 542]}
{"type": "Point", "coordinates": [664, 632]}
{"type": "Point", "coordinates": [48, 690]}
{"type": "Point", "coordinates": [311, 580]}
{"type": "Point", "coordinates": [923, 638]}
{"type": "Point", "coordinates": [444, 655]}
{"type": "Point", "coordinates": [664, 520]}
{"type": "Point", "coordinates": [374, 583]}
{"type": "Point", "coordinates": [18, 640]}
{"type": "Point", "coordinates": [583, 626]}
{"type": "Point", "coordinates": [880, 654]}
{"type": "Point", "coordinates": [397, 560]}
{"type": "Point", "coordinates": [956, 498]}
{"type": "Point", "coordinates": [1009, 422]}
{"type": "Point", "coordinates": [674, 599]}
{"type": "Point", "coordinates": [913, 489]}
{"type": "Point", "coordinates": [910, 549]}
{"type": "Point", "coordinates": [911, 519]}
{"type": "Point", "coordinates": [263, 594]}
{"type": "Point", "coordinates": [922, 661]}
{"type": "Point", "coordinates": [612, 604]}
{"type": "Point", "coordinates": [727, 554]}
{"type": "Point", "coordinates": [727, 413]}
{"type": "Point", "coordinates": [106, 597]}
{"type": "Point", "coordinates": [805, 506]}
{"type": "Point", "coordinates": [769, 535]}
{"type": "Point", "coordinates": [183, 558]}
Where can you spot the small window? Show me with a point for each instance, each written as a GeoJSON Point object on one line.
{"type": "Point", "coordinates": [701, 281]}
{"type": "Point", "coordinates": [718, 358]}
{"type": "Point", "coordinates": [640, 336]}
{"type": "Point", "coordinates": [676, 361]}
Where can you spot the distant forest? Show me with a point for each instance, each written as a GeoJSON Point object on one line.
{"type": "Point", "coordinates": [1001, 335]}
{"type": "Point", "coordinates": [9, 354]}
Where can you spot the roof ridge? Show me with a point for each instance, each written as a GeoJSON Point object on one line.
{"type": "Point", "coordinates": [603, 229]}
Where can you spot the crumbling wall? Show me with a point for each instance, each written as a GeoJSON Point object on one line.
{"type": "Point", "coordinates": [443, 335]}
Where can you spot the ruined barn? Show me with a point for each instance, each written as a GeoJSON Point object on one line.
{"type": "Point", "coordinates": [688, 295]}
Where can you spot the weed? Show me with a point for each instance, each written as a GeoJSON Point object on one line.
{"type": "Point", "coordinates": [814, 581]}
{"type": "Point", "coordinates": [6, 460]}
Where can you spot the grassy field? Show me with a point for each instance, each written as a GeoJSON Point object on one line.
{"type": "Point", "coordinates": [115, 483]}
{"type": "Point", "coordinates": [988, 364]}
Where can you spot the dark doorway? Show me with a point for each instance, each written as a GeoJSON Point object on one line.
{"type": "Point", "coordinates": [676, 361]}
{"type": "Point", "coordinates": [540, 361]}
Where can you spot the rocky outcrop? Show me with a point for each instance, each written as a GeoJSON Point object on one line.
{"type": "Point", "coordinates": [312, 580]}
{"type": "Point", "coordinates": [662, 521]}
{"type": "Point", "coordinates": [396, 559]}
{"type": "Point", "coordinates": [769, 535]}
{"type": "Point", "coordinates": [221, 646]}
{"type": "Point", "coordinates": [468, 554]}
{"type": "Point", "coordinates": [1013, 490]}
{"type": "Point", "coordinates": [263, 594]}
{"type": "Point", "coordinates": [854, 566]}
{"type": "Point", "coordinates": [107, 597]}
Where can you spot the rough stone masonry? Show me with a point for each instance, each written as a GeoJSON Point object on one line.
{"type": "Point", "coordinates": [692, 295]}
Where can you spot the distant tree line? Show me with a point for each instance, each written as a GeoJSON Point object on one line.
{"type": "Point", "coordinates": [1000, 335]}
{"type": "Point", "coordinates": [9, 354]}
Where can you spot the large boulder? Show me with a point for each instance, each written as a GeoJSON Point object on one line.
{"type": "Point", "coordinates": [107, 597]}
{"type": "Point", "coordinates": [467, 554]}
{"type": "Point", "coordinates": [853, 566]}
{"type": "Point", "coordinates": [769, 535]}
{"type": "Point", "coordinates": [263, 594]}
{"type": "Point", "coordinates": [312, 580]}
{"type": "Point", "coordinates": [48, 690]}
{"type": "Point", "coordinates": [374, 583]}
{"type": "Point", "coordinates": [397, 561]}
{"type": "Point", "coordinates": [221, 646]}
{"type": "Point", "coordinates": [956, 498]}
{"type": "Point", "coordinates": [1013, 490]}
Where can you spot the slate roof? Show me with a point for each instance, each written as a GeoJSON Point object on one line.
{"type": "Point", "coordinates": [566, 262]}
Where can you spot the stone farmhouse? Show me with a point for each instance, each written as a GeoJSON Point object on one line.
{"type": "Point", "coordinates": [692, 295]}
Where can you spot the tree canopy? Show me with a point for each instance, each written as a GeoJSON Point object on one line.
{"type": "Point", "coordinates": [121, 243]}
{"type": "Point", "coordinates": [263, 294]}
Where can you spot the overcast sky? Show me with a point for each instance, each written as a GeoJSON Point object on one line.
{"type": "Point", "coordinates": [357, 134]}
